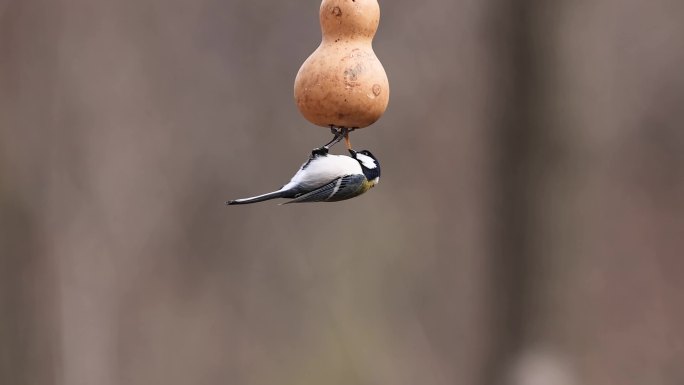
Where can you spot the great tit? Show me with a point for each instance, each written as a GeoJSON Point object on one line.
{"type": "Point", "coordinates": [327, 178]}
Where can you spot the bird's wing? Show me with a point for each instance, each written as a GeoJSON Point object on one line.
{"type": "Point", "coordinates": [342, 188]}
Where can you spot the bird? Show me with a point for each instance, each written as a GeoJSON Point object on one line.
{"type": "Point", "coordinates": [325, 177]}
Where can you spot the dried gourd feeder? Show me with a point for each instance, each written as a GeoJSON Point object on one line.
{"type": "Point", "coordinates": [343, 85]}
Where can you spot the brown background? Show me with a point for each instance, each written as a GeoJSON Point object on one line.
{"type": "Point", "coordinates": [528, 228]}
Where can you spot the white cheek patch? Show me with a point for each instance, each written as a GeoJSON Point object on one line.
{"type": "Point", "coordinates": [367, 161]}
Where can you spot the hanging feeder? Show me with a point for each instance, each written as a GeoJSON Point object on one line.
{"type": "Point", "coordinates": [343, 84]}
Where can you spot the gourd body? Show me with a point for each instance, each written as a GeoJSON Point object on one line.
{"type": "Point", "coordinates": [343, 83]}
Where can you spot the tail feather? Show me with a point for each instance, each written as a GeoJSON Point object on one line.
{"type": "Point", "coordinates": [258, 198]}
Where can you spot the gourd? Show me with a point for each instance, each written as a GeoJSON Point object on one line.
{"type": "Point", "coordinates": [342, 83]}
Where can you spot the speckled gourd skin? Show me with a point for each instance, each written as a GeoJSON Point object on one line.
{"type": "Point", "coordinates": [343, 83]}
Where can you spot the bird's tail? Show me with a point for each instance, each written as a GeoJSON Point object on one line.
{"type": "Point", "coordinates": [258, 198]}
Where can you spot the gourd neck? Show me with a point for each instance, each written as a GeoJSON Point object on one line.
{"type": "Point", "coordinates": [349, 20]}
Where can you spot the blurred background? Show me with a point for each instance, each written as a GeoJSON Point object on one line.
{"type": "Point", "coordinates": [528, 229]}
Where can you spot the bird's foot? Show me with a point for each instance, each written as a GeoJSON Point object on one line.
{"type": "Point", "coordinates": [339, 133]}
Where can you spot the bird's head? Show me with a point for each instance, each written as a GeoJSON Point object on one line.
{"type": "Point", "coordinates": [369, 164]}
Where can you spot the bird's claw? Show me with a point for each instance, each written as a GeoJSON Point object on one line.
{"type": "Point", "coordinates": [339, 133]}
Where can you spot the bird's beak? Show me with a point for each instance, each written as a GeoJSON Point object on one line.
{"type": "Point", "coordinates": [346, 140]}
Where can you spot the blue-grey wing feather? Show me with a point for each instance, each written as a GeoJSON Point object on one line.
{"type": "Point", "coordinates": [339, 189]}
